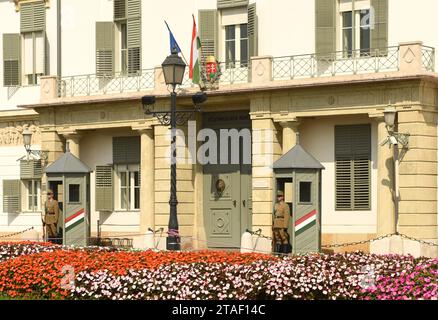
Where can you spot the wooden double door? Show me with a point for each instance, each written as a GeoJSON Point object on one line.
{"type": "Point", "coordinates": [228, 192]}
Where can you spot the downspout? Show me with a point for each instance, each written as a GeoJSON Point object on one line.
{"type": "Point", "coordinates": [58, 41]}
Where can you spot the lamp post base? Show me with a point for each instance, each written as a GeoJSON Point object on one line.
{"type": "Point", "coordinates": [173, 243]}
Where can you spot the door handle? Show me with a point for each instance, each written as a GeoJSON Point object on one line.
{"type": "Point", "coordinates": [244, 203]}
{"type": "Point", "coordinates": [234, 203]}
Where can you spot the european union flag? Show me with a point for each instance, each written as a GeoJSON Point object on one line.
{"type": "Point", "coordinates": [173, 44]}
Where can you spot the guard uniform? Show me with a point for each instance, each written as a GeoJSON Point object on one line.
{"type": "Point", "coordinates": [280, 226]}
{"type": "Point", "coordinates": [51, 217]}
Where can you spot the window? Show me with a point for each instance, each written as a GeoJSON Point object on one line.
{"type": "Point", "coordinates": [305, 192]}
{"type": "Point", "coordinates": [347, 33]}
{"type": "Point", "coordinates": [353, 167]}
{"type": "Point", "coordinates": [127, 17]}
{"type": "Point", "coordinates": [32, 26]}
{"type": "Point", "coordinates": [355, 19]}
{"type": "Point", "coordinates": [230, 44]}
{"type": "Point", "coordinates": [129, 187]}
{"type": "Point", "coordinates": [124, 48]}
{"type": "Point", "coordinates": [74, 193]}
{"type": "Point", "coordinates": [33, 189]}
{"type": "Point", "coordinates": [244, 44]}
{"type": "Point", "coordinates": [365, 32]}
{"type": "Point", "coordinates": [236, 45]}
{"type": "Point", "coordinates": [33, 56]}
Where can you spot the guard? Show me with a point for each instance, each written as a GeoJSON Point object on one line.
{"type": "Point", "coordinates": [281, 223]}
{"type": "Point", "coordinates": [51, 216]}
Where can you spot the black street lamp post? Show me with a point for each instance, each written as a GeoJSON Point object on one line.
{"type": "Point", "coordinates": [173, 70]}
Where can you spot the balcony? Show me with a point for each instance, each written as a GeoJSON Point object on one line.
{"type": "Point", "coordinates": [405, 58]}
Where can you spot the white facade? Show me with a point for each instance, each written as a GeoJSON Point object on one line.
{"type": "Point", "coordinates": [285, 28]}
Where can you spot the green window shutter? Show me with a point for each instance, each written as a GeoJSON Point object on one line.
{"type": "Point", "coordinates": [379, 35]}
{"type": "Point", "coordinates": [11, 196]}
{"type": "Point", "coordinates": [105, 48]}
{"type": "Point", "coordinates": [30, 169]}
{"type": "Point", "coordinates": [325, 19]}
{"type": "Point", "coordinates": [32, 16]}
{"type": "Point", "coordinates": [119, 10]}
{"type": "Point", "coordinates": [126, 150]}
{"type": "Point", "coordinates": [208, 33]}
{"type": "Point", "coordinates": [253, 30]}
{"type": "Point", "coordinates": [26, 17]}
{"type": "Point", "coordinates": [134, 35]}
{"type": "Point", "coordinates": [39, 16]}
{"type": "Point", "coordinates": [11, 59]}
{"type": "Point", "coordinates": [104, 195]}
{"type": "Point", "coordinates": [223, 4]}
{"type": "Point", "coordinates": [353, 167]}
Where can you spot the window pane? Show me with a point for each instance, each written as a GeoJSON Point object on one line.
{"type": "Point", "coordinates": [365, 33]}
{"type": "Point", "coordinates": [230, 49]}
{"type": "Point", "coordinates": [244, 52]}
{"type": "Point", "coordinates": [347, 38]}
{"type": "Point", "coordinates": [244, 31]}
{"type": "Point", "coordinates": [137, 198]}
{"type": "Point", "coordinates": [123, 32]}
{"type": "Point", "coordinates": [136, 178]}
{"type": "Point", "coordinates": [230, 44]}
{"type": "Point", "coordinates": [38, 195]}
{"type": "Point", "coordinates": [29, 196]}
{"type": "Point", "coordinates": [230, 32]}
{"type": "Point", "coordinates": [123, 179]}
{"type": "Point", "coordinates": [347, 19]}
{"type": "Point", "coordinates": [305, 192]}
{"type": "Point", "coordinates": [73, 193]}
{"type": "Point", "coordinates": [124, 198]}
{"type": "Point", "coordinates": [347, 33]}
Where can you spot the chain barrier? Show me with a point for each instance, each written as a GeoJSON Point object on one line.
{"type": "Point", "coordinates": [381, 238]}
{"type": "Point", "coordinates": [257, 233]}
{"type": "Point", "coordinates": [418, 240]}
{"type": "Point", "coordinates": [16, 233]}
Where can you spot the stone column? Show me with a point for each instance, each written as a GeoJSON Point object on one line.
{"type": "Point", "coordinates": [147, 188]}
{"type": "Point", "coordinates": [266, 149]}
{"type": "Point", "coordinates": [72, 140]}
{"type": "Point", "coordinates": [290, 130]}
{"type": "Point", "coordinates": [385, 183]}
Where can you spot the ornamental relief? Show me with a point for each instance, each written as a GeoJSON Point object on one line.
{"type": "Point", "coordinates": [11, 133]}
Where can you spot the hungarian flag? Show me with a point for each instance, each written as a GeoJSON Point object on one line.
{"type": "Point", "coordinates": [194, 55]}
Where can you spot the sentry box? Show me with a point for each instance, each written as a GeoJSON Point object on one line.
{"type": "Point", "coordinates": [69, 178]}
{"type": "Point", "coordinates": [298, 175]}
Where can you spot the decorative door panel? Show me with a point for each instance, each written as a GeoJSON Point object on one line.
{"type": "Point", "coordinates": [222, 206]}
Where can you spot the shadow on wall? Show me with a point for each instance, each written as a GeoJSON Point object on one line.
{"type": "Point", "coordinates": [12, 91]}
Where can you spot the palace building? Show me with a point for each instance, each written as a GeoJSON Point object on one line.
{"type": "Point", "coordinates": [73, 73]}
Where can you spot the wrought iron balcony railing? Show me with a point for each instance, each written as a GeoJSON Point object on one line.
{"type": "Point", "coordinates": [92, 84]}
{"type": "Point", "coordinates": [283, 68]}
{"type": "Point", "coordinates": [428, 58]}
{"type": "Point", "coordinates": [336, 63]}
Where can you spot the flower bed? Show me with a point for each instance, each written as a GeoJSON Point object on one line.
{"type": "Point", "coordinates": [103, 274]}
{"type": "Point", "coordinates": [10, 250]}
{"type": "Point", "coordinates": [340, 276]}
{"type": "Point", "coordinates": [42, 273]}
